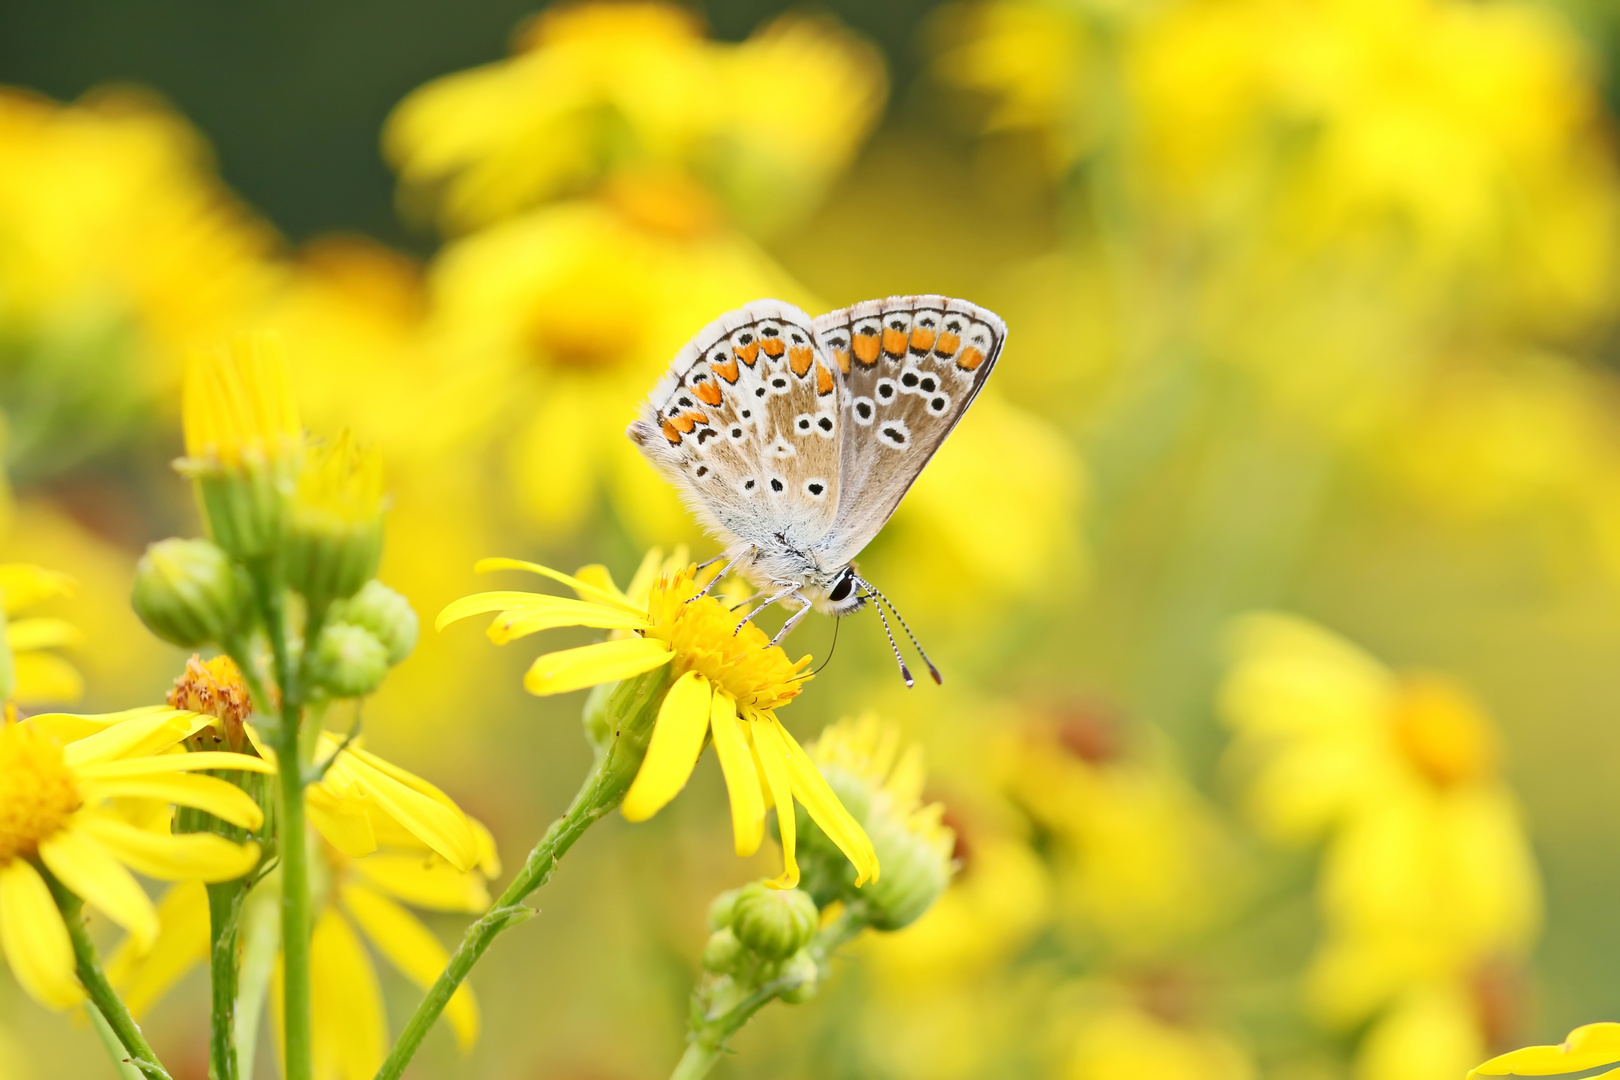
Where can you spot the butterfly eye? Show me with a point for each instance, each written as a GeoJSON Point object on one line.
{"type": "Point", "coordinates": [842, 587]}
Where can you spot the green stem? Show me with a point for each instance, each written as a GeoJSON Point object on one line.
{"type": "Point", "coordinates": [115, 1049]}
{"type": "Point", "coordinates": [223, 910]}
{"type": "Point", "coordinates": [709, 1032]}
{"type": "Point", "coordinates": [99, 990]}
{"type": "Point", "coordinates": [631, 710]}
{"type": "Point", "coordinates": [294, 846]}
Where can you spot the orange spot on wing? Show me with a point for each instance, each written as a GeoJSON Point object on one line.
{"type": "Point", "coordinates": [841, 358]}
{"type": "Point", "coordinates": [824, 380]}
{"type": "Point", "coordinates": [686, 421]}
{"type": "Point", "coordinates": [799, 359]}
{"type": "Point", "coordinates": [708, 391]}
{"type": "Point", "coordinates": [970, 359]}
{"type": "Point", "coordinates": [773, 347]}
{"type": "Point", "coordinates": [946, 346]}
{"type": "Point", "coordinates": [894, 341]}
{"type": "Point", "coordinates": [866, 349]}
{"type": "Point", "coordinates": [922, 339]}
{"type": "Point", "coordinates": [727, 370]}
{"type": "Point", "coordinates": [673, 435]}
{"type": "Point", "coordinates": [749, 353]}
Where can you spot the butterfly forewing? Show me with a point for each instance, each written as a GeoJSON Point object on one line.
{"type": "Point", "coordinates": [911, 365]}
{"type": "Point", "coordinates": [746, 424]}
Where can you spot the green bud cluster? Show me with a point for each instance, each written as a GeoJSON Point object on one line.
{"type": "Point", "coordinates": [190, 593]}
{"type": "Point", "coordinates": [361, 638]}
{"type": "Point", "coordinates": [761, 935]}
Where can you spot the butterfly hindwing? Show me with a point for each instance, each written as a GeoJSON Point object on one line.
{"type": "Point", "coordinates": [746, 424]}
{"type": "Point", "coordinates": [910, 365]}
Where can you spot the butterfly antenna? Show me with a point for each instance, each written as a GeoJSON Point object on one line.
{"type": "Point", "coordinates": [830, 649]}
{"type": "Point", "coordinates": [905, 672]}
{"type": "Point", "coordinates": [932, 670]}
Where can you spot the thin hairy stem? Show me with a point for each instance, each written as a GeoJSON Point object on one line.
{"type": "Point", "coordinates": [99, 990]}
{"type": "Point", "coordinates": [224, 908]}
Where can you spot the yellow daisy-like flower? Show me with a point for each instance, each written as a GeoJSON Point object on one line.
{"type": "Point", "coordinates": [238, 407]}
{"type": "Point", "coordinates": [58, 773]}
{"type": "Point", "coordinates": [1587, 1051]}
{"type": "Point", "coordinates": [723, 682]}
{"type": "Point", "coordinates": [29, 674]}
{"type": "Point", "coordinates": [362, 900]}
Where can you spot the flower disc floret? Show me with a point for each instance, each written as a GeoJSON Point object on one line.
{"type": "Point", "coordinates": [701, 635]}
{"type": "Point", "coordinates": [40, 794]}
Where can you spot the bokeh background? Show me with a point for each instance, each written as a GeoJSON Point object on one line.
{"type": "Point", "coordinates": [1274, 578]}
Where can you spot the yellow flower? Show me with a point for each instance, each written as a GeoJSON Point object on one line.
{"type": "Point", "coordinates": [721, 682]}
{"type": "Point", "coordinates": [1120, 1038]}
{"type": "Point", "coordinates": [238, 408]}
{"type": "Point", "coordinates": [597, 91]}
{"type": "Point", "coordinates": [359, 900]}
{"type": "Point", "coordinates": [29, 674]}
{"type": "Point", "coordinates": [58, 773]}
{"type": "Point", "coordinates": [1428, 872]}
{"type": "Point", "coordinates": [1586, 1052]}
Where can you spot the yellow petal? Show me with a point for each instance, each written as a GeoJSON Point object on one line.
{"type": "Point", "coordinates": [92, 874]}
{"type": "Point", "coordinates": [344, 823]}
{"type": "Point", "coordinates": [352, 1040]}
{"type": "Point", "coordinates": [516, 602]}
{"type": "Point", "coordinates": [1587, 1048]}
{"type": "Point", "coordinates": [641, 582]}
{"type": "Point", "coordinates": [811, 789]}
{"type": "Point", "coordinates": [771, 754]}
{"type": "Point", "coordinates": [585, 589]}
{"type": "Point", "coordinates": [22, 585]}
{"type": "Point", "coordinates": [589, 665]}
{"type": "Point", "coordinates": [489, 857]}
{"type": "Point", "coordinates": [442, 827]}
{"type": "Point", "coordinates": [742, 776]}
{"type": "Point", "coordinates": [191, 855]}
{"type": "Point", "coordinates": [173, 763]}
{"type": "Point", "coordinates": [141, 977]}
{"type": "Point", "coordinates": [219, 797]}
{"type": "Point", "coordinates": [521, 622]}
{"type": "Point", "coordinates": [40, 633]}
{"type": "Point", "coordinates": [677, 740]}
{"type": "Point", "coordinates": [143, 734]}
{"type": "Point", "coordinates": [44, 678]}
{"type": "Point", "coordinates": [597, 577]}
{"type": "Point", "coordinates": [71, 727]}
{"type": "Point", "coordinates": [425, 883]}
{"type": "Point", "coordinates": [412, 948]}
{"type": "Point", "coordinates": [33, 937]}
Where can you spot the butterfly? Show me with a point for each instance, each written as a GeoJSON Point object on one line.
{"type": "Point", "coordinates": [793, 439]}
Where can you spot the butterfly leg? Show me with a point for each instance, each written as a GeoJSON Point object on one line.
{"type": "Point", "coordinates": [793, 619]}
{"type": "Point", "coordinates": [718, 578]}
{"type": "Point", "coordinates": [788, 589]}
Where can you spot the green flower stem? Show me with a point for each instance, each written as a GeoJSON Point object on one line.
{"type": "Point", "coordinates": [630, 711]}
{"type": "Point", "coordinates": [224, 905]}
{"type": "Point", "coordinates": [294, 848]}
{"type": "Point", "coordinates": [115, 1049]}
{"type": "Point", "coordinates": [99, 990]}
{"type": "Point", "coordinates": [711, 1031]}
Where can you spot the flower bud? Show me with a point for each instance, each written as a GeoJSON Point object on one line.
{"type": "Point", "coordinates": [723, 952]}
{"type": "Point", "coordinates": [916, 864]}
{"type": "Point", "coordinates": [803, 968]}
{"type": "Point", "coordinates": [385, 613]}
{"type": "Point", "coordinates": [335, 532]}
{"type": "Point", "coordinates": [721, 909]}
{"type": "Point", "coordinates": [774, 923]}
{"type": "Point", "coordinates": [348, 660]}
{"type": "Point", "coordinates": [188, 593]}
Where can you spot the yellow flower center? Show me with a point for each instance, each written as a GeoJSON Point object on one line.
{"type": "Point", "coordinates": [1442, 731]}
{"type": "Point", "coordinates": [37, 792]}
{"type": "Point", "coordinates": [743, 664]}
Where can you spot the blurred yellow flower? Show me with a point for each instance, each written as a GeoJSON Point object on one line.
{"type": "Point", "coordinates": [725, 680]}
{"type": "Point", "coordinates": [29, 674]}
{"type": "Point", "coordinates": [1430, 1031]}
{"type": "Point", "coordinates": [238, 407]}
{"type": "Point", "coordinates": [359, 900]}
{"type": "Point", "coordinates": [1428, 872]}
{"type": "Point", "coordinates": [1121, 1040]}
{"type": "Point", "coordinates": [58, 775]}
{"type": "Point", "coordinates": [1587, 1051]}
{"type": "Point", "coordinates": [598, 91]}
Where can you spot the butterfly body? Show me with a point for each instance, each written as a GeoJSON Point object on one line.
{"type": "Point", "coordinates": [793, 439]}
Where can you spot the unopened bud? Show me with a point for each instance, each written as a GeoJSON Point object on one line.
{"type": "Point", "coordinates": [335, 531]}
{"type": "Point", "coordinates": [802, 969]}
{"type": "Point", "coordinates": [721, 909]}
{"type": "Point", "coordinates": [385, 613]}
{"type": "Point", "coordinates": [188, 592]}
{"type": "Point", "coordinates": [916, 860]}
{"type": "Point", "coordinates": [774, 923]}
{"type": "Point", "coordinates": [348, 660]}
{"type": "Point", "coordinates": [722, 952]}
